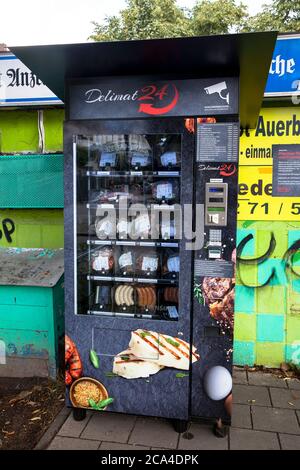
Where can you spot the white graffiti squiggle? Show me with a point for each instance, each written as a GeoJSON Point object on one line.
{"type": "Point", "coordinates": [2, 353]}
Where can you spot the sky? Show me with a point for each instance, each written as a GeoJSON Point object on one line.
{"type": "Point", "coordinates": [33, 22]}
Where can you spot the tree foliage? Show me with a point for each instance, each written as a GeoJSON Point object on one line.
{"type": "Point", "coordinates": [217, 17]}
{"type": "Point", "coordinates": [144, 19]}
{"type": "Point", "coordinates": [148, 19]}
{"type": "Point", "coordinates": [280, 15]}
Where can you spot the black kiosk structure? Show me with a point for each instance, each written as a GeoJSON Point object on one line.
{"type": "Point", "coordinates": [151, 165]}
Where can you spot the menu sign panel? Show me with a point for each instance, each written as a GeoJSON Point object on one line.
{"type": "Point", "coordinates": [217, 142]}
{"type": "Point", "coordinates": [286, 170]}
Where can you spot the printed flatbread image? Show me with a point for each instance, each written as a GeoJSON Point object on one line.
{"type": "Point", "coordinates": [149, 352]}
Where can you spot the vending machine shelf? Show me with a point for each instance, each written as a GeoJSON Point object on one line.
{"type": "Point", "coordinates": [136, 174]}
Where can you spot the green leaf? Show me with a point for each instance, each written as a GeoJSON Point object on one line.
{"type": "Point", "coordinates": [104, 403]}
{"type": "Point", "coordinates": [93, 404]}
{"type": "Point", "coordinates": [94, 358]}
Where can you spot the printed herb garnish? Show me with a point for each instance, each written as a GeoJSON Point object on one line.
{"type": "Point", "coordinates": [111, 374]}
{"type": "Point", "coordinates": [125, 358]}
{"type": "Point", "coordinates": [172, 342]}
{"type": "Point", "coordinates": [101, 404]}
{"type": "Point", "coordinates": [143, 334]}
{"type": "Point", "coordinates": [198, 293]}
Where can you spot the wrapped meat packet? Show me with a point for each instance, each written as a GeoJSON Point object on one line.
{"type": "Point", "coordinates": [171, 264]}
{"type": "Point", "coordinates": [147, 264]}
{"type": "Point", "coordinates": [104, 228]}
{"type": "Point", "coordinates": [103, 296]}
{"type": "Point", "coordinates": [126, 263]}
{"type": "Point", "coordinates": [103, 260]}
{"type": "Point", "coordinates": [141, 226]}
{"type": "Point", "coordinates": [124, 228]}
{"type": "Point", "coordinates": [107, 160]}
{"type": "Point", "coordinates": [169, 159]}
{"type": "Point", "coordinates": [166, 190]}
{"type": "Point", "coordinates": [139, 161]}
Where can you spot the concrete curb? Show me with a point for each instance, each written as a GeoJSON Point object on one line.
{"type": "Point", "coordinates": [53, 429]}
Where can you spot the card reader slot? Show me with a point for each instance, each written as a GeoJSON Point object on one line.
{"type": "Point", "coordinates": [216, 199]}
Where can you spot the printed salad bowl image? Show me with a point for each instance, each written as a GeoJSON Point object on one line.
{"type": "Point", "coordinates": [87, 392]}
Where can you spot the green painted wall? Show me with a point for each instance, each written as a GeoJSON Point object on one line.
{"type": "Point", "coordinates": [19, 131]}
{"type": "Point", "coordinates": [267, 318]}
{"type": "Point", "coordinates": [32, 323]}
{"type": "Point", "coordinates": [31, 228]}
{"type": "Point", "coordinates": [53, 123]}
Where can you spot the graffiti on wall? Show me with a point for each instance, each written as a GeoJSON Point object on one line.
{"type": "Point", "coordinates": [7, 228]}
{"type": "Point", "coordinates": [289, 261]}
{"type": "Point", "coordinates": [267, 327]}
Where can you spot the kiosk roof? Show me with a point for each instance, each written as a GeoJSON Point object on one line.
{"type": "Point", "coordinates": [246, 55]}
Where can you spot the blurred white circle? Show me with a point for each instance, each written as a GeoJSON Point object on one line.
{"type": "Point", "coordinates": [217, 383]}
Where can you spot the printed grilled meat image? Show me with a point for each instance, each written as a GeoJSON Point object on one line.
{"type": "Point", "coordinates": [223, 311]}
{"type": "Point", "coordinates": [215, 288]}
{"type": "Point", "coordinates": [218, 293]}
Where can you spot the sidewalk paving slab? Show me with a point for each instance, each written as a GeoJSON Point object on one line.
{"type": "Point", "coordinates": [245, 439]}
{"type": "Point", "coordinates": [241, 416]}
{"type": "Point", "coordinates": [111, 427]}
{"type": "Point", "coordinates": [275, 419]}
{"type": "Point", "coordinates": [294, 384]}
{"type": "Point", "coordinates": [203, 439]}
{"type": "Point", "coordinates": [117, 446]}
{"type": "Point", "coordinates": [72, 428]}
{"type": "Point", "coordinates": [154, 432]}
{"type": "Point", "coordinates": [53, 429]}
{"type": "Point", "coordinates": [251, 395]}
{"type": "Point", "coordinates": [266, 379]}
{"type": "Point", "coordinates": [239, 376]}
{"type": "Point", "coordinates": [276, 423]}
{"type": "Point", "coordinates": [72, 443]}
{"type": "Point", "coordinates": [289, 442]}
{"type": "Point", "coordinates": [285, 398]}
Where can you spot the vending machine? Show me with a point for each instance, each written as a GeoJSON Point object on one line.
{"type": "Point", "coordinates": [151, 196]}
{"type": "Point", "coordinates": [151, 166]}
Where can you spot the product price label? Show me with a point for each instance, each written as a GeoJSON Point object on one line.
{"type": "Point", "coordinates": [164, 191]}
{"type": "Point", "coordinates": [107, 158]}
{"type": "Point", "coordinates": [125, 260]}
{"type": "Point", "coordinates": [139, 159]}
{"type": "Point", "coordinates": [168, 158]}
{"type": "Point", "coordinates": [149, 264]}
{"type": "Point", "coordinates": [101, 263]}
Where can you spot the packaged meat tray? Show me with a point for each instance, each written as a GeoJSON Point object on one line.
{"type": "Point", "coordinates": [103, 260]}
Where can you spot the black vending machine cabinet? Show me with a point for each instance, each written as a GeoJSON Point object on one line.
{"type": "Point", "coordinates": [151, 165]}
{"type": "Point", "coordinates": [132, 278]}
